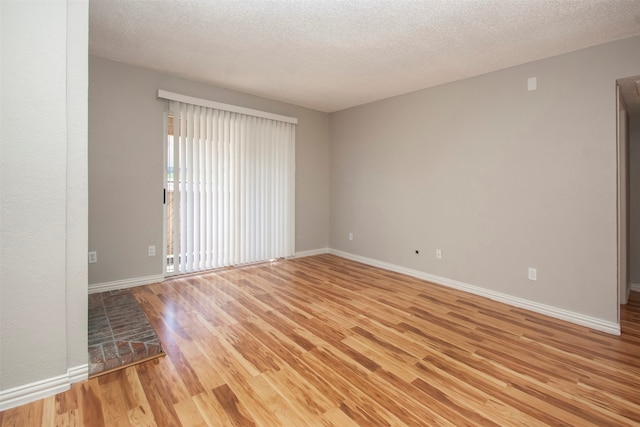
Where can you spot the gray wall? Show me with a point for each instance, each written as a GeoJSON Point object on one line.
{"type": "Point", "coordinates": [126, 166]}
{"type": "Point", "coordinates": [499, 178]}
{"type": "Point", "coordinates": [43, 191]}
{"type": "Point", "coordinates": [634, 200]}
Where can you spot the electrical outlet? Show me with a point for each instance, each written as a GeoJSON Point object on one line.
{"type": "Point", "coordinates": [533, 274]}
{"type": "Point", "coordinates": [350, 236]}
{"type": "Point", "coordinates": [93, 257]}
{"type": "Point", "coordinates": [152, 251]}
{"type": "Point", "coordinates": [439, 253]}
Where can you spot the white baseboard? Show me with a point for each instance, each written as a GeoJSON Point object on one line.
{"type": "Point", "coordinates": [311, 252]}
{"type": "Point", "coordinates": [635, 287]}
{"type": "Point", "coordinates": [569, 316]}
{"type": "Point", "coordinates": [78, 373]}
{"type": "Point", "coordinates": [27, 393]}
{"type": "Point", "coordinates": [123, 284]}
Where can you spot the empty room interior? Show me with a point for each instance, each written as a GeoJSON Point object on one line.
{"type": "Point", "coordinates": [292, 213]}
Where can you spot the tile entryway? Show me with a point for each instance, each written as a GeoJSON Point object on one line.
{"type": "Point", "coordinates": [119, 332]}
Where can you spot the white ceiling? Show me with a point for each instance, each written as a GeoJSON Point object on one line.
{"type": "Point", "coordinates": [333, 54]}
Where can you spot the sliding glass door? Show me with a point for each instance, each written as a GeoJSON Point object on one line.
{"type": "Point", "coordinates": [229, 192]}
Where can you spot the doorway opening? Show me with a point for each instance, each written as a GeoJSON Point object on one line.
{"type": "Point", "coordinates": [628, 148]}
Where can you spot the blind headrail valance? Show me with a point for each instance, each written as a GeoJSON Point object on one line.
{"type": "Point", "coordinates": [171, 96]}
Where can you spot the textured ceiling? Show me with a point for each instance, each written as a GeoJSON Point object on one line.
{"type": "Point", "coordinates": [333, 54]}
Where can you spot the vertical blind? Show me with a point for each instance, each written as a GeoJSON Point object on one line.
{"type": "Point", "coordinates": [233, 188]}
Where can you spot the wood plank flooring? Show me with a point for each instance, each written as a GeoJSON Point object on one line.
{"type": "Point", "coordinates": [323, 341]}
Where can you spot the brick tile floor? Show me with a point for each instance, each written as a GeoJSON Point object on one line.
{"type": "Point", "coordinates": [119, 332]}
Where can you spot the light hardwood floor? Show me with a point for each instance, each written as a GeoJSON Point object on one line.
{"type": "Point", "coordinates": [325, 341]}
